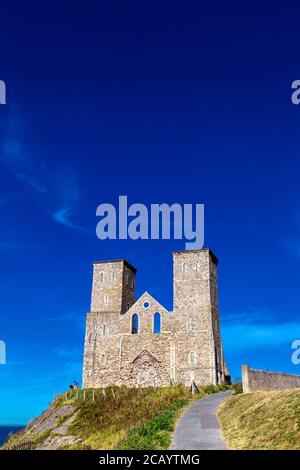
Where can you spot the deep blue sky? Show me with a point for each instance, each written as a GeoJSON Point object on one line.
{"type": "Point", "coordinates": [183, 102]}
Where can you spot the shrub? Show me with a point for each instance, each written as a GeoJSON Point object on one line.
{"type": "Point", "coordinates": [237, 388]}
{"type": "Point", "coordinates": [209, 389]}
{"type": "Point", "coordinates": [155, 433]}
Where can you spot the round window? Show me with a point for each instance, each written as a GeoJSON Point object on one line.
{"type": "Point", "coordinates": [146, 304]}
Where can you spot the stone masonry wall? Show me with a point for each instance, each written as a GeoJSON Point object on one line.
{"type": "Point", "coordinates": [254, 380]}
{"type": "Point", "coordinates": [188, 347]}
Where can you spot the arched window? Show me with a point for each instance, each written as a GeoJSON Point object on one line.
{"type": "Point", "coordinates": [192, 359]}
{"type": "Point", "coordinates": [135, 324]}
{"type": "Point", "coordinates": [184, 268]}
{"type": "Point", "coordinates": [106, 299]}
{"type": "Point", "coordinates": [156, 323]}
{"type": "Point", "coordinates": [198, 266]}
{"type": "Point", "coordinates": [104, 330]}
{"type": "Point", "coordinates": [189, 326]}
{"type": "Point", "coordinates": [101, 277]}
{"type": "Point", "coordinates": [102, 360]}
{"type": "Point", "coordinates": [114, 277]}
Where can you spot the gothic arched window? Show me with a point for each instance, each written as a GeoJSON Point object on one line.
{"type": "Point", "coordinates": [189, 325]}
{"type": "Point", "coordinates": [184, 268]}
{"type": "Point", "coordinates": [102, 360]}
{"type": "Point", "coordinates": [156, 323]}
{"type": "Point", "coordinates": [192, 359]}
{"type": "Point", "coordinates": [135, 324]}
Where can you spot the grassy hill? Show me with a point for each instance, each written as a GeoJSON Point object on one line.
{"type": "Point", "coordinates": [112, 418]}
{"type": "Point", "coordinates": [262, 420]}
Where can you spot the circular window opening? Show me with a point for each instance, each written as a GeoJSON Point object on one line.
{"type": "Point", "coordinates": [146, 304]}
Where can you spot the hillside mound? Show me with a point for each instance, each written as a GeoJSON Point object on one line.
{"type": "Point", "coordinates": [110, 418]}
{"type": "Point", "coordinates": [262, 420]}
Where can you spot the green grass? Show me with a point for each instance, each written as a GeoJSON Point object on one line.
{"type": "Point", "coordinates": [61, 419]}
{"type": "Point", "coordinates": [16, 439]}
{"type": "Point", "coordinates": [130, 418]}
{"type": "Point", "coordinates": [123, 418]}
{"type": "Point", "coordinates": [262, 420]}
{"type": "Point", "coordinates": [156, 432]}
{"type": "Point", "coordinates": [106, 422]}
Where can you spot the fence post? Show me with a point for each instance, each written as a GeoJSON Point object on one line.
{"type": "Point", "coordinates": [246, 378]}
{"type": "Point", "coordinates": [93, 394]}
{"type": "Point", "coordinates": [84, 393]}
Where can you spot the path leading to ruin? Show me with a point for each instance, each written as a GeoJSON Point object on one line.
{"type": "Point", "coordinates": [199, 427]}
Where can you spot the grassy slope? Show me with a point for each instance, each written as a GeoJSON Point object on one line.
{"type": "Point", "coordinates": [262, 420]}
{"type": "Point", "coordinates": [134, 418]}
{"type": "Point", "coordinates": [130, 418]}
{"type": "Point", "coordinates": [118, 418]}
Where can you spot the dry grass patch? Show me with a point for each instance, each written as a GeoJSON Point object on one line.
{"type": "Point", "coordinates": [262, 420]}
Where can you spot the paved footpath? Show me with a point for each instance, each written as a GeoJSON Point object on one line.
{"type": "Point", "coordinates": [199, 427]}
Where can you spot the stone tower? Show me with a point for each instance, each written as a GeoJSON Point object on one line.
{"type": "Point", "coordinates": [195, 294]}
{"type": "Point", "coordinates": [113, 286]}
{"type": "Point", "coordinates": [139, 342]}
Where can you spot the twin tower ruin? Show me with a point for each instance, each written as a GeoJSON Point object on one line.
{"type": "Point", "coordinates": [140, 343]}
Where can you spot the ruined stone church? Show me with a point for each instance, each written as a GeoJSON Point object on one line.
{"type": "Point", "coordinates": [139, 342]}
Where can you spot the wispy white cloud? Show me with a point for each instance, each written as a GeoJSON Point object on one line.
{"type": "Point", "coordinates": [241, 336]}
{"type": "Point", "coordinates": [63, 217]}
{"type": "Point", "coordinates": [57, 192]}
{"type": "Point", "coordinates": [30, 181]}
{"type": "Point", "coordinates": [69, 370]}
{"type": "Point", "coordinates": [76, 320]}
{"type": "Point", "coordinates": [250, 316]}
{"type": "Point", "coordinates": [63, 351]}
{"type": "Point", "coordinates": [15, 158]}
{"type": "Point", "coordinates": [64, 317]}
{"type": "Point", "coordinates": [67, 192]}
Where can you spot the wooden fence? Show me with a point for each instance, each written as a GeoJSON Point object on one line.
{"type": "Point", "coordinates": [26, 445]}
{"type": "Point", "coordinates": [92, 394]}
